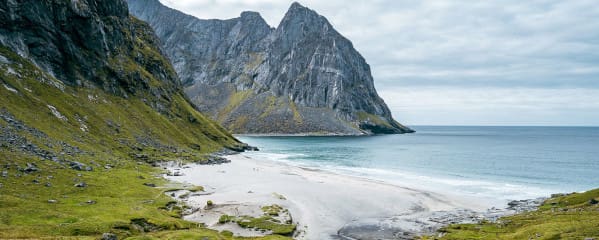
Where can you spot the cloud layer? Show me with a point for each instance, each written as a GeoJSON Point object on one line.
{"type": "Point", "coordinates": [524, 51]}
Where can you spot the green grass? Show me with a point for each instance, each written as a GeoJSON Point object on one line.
{"type": "Point", "coordinates": [265, 222]}
{"type": "Point", "coordinates": [199, 234]}
{"type": "Point", "coordinates": [260, 223]}
{"type": "Point", "coordinates": [120, 202]}
{"type": "Point", "coordinates": [564, 217]}
{"type": "Point", "coordinates": [364, 116]}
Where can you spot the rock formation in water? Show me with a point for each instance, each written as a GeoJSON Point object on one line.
{"type": "Point", "coordinates": [301, 77]}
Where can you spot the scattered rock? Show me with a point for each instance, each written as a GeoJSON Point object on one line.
{"type": "Point", "coordinates": [81, 185]}
{"type": "Point", "coordinates": [80, 166]}
{"type": "Point", "coordinates": [109, 236]}
{"type": "Point", "coordinates": [214, 160]}
{"type": "Point", "coordinates": [31, 167]}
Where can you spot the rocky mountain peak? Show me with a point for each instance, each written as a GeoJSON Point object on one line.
{"type": "Point", "coordinates": [251, 15]}
{"type": "Point", "coordinates": [300, 14]}
{"type": "Point", "coordinates": [302, 77]}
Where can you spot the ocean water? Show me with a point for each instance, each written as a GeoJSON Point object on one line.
{"type": "Point", "coordinates": [501, 163]}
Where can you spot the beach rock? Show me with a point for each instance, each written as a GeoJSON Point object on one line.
{"type": "Point", "coordinates": [214, 160]}
{"type": "Point", "coordinates": [109, 236]}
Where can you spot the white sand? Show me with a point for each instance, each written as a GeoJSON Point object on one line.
{"type": "Point", "coordinates": [320, 202]}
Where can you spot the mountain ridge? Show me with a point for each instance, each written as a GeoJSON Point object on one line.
{"type": "Point", "coordinates": [300, 77]}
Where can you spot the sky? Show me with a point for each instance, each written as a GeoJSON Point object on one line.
{"type": "Point", "coordinates": [455, 62]}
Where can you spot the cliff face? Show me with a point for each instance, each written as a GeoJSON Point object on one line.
{"type": "Point", "coordinates": [95, 47]}
{"type": "Point", "coordinates": [302, 77]}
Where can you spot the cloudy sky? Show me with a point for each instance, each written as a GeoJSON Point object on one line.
{"type": "Point", "coordinates": [507, 62]}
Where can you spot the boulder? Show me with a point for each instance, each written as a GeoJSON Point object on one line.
{"type": "Point", "coordinates": [109, 236]}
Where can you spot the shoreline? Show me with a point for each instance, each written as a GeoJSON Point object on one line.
{"type": "Point", "coordinates": [324, 205]}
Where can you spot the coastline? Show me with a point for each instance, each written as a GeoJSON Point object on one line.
{"type": "Point", "coordinates": [324, 205]}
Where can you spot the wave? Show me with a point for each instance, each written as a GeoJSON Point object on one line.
{"type": "Point", "coordinates": [500, 192]}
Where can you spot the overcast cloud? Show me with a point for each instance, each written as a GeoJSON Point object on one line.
{"type": "Point", "coordinates": [508, 62]}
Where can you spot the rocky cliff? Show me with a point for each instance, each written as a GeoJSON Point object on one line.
{"type": "Point", "coordinates": [92, 45]}
{"type": "Point", "coordinates": [301, 77]}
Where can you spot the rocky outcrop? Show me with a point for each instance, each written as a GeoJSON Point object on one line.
{"type": "Point", "coordinates": [92, 44]}
{"type": "Point", "coordinates": [99, 58]}
{"type": "Point", "coordinates": [301, 77]}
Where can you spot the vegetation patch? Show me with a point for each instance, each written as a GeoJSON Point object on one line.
{"type": "Point", "coordinates": [267, 223]}
{"type": "Point", "coordinates": [571, 216]}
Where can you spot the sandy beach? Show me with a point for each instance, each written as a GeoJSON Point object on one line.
{"type": "Point", "coordinates": [323, 204]}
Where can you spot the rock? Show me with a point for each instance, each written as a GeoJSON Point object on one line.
{"type": "Point", "coordinates": [81, 185]}
{"type": "Point", "coordinates": [109, 236]}
{"type": "Point", "coordinates": [150, 184]}
{"type": "Point", "coordinates": [300, 77]}
{"type": "Point", "coordinates": [4, 174]}
{"type": "Point", "coordinates": [214, 160]}
{"type": "Point", "coordinates": [79, 166]}
{"type": "Point", "coordinates": [593, 201]}
{"type": "Point", "coordinates": [90, 202]}
{"type": "Point", "coordinates": [48, 184]}
{"type": "Point", "coordinates": [31, 167]}
{"type": "Point", "coordinates": [52, 201]}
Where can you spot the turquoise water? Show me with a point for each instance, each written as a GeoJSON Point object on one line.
{"type": "Point", "coordinates": [504, 163]}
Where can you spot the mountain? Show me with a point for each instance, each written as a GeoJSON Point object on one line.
{"type": "Point", "coordinates": [88, 105]}
{"type": "Point", "coordinates": [301, 77]}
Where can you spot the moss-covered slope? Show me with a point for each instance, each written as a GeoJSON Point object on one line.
{"type": "Point", "coordinates": [88, 106]}
{"type": "Point", "coordinates": [572, 216]}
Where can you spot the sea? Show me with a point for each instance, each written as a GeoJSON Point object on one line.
{"type": "Point", "coordinates": [501, 163]}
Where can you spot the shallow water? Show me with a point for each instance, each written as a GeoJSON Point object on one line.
{"type": "Point", "coordinates": [502, 163]}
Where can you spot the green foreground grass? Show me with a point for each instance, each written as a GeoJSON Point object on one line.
{"type": "Point", "coordinates": [572, 216]}
{"type": "Point", "coordinates": [110, 134]}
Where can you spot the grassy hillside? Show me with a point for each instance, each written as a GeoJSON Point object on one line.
{"type": "Point", "coordinates": [76, 161]}
{"type": "Point", "coordinates": [573, 216]}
